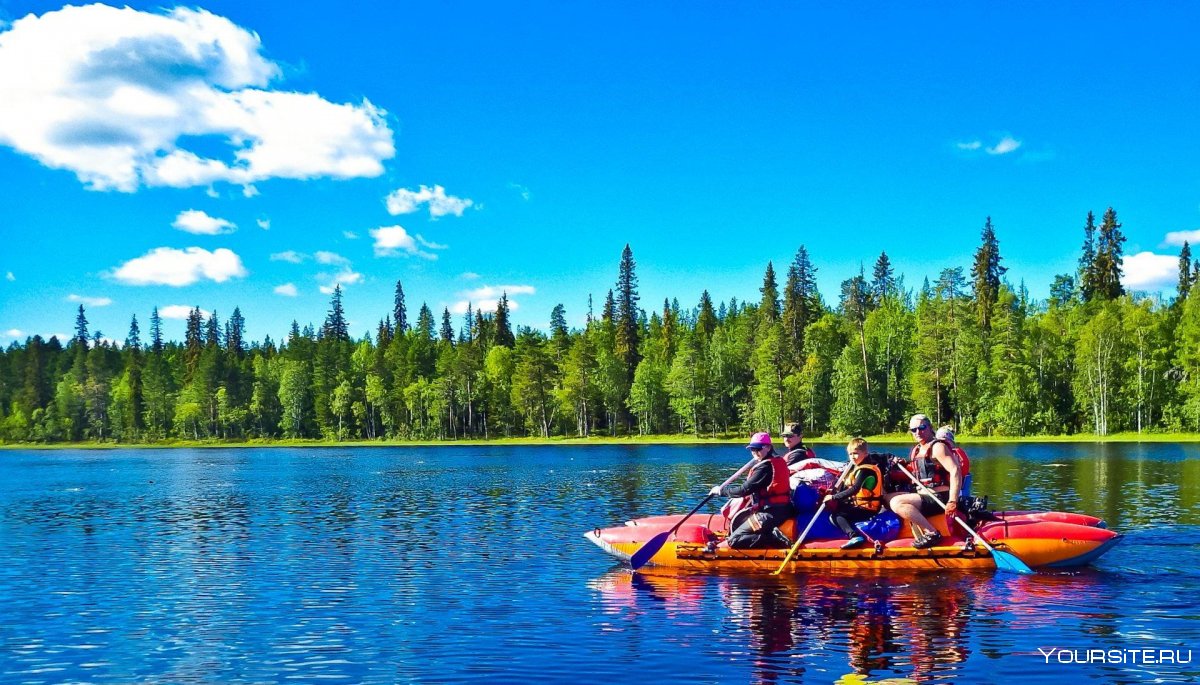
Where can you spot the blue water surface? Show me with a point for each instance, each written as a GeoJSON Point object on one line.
{"type": "Point", "coordinates": [453, 564]}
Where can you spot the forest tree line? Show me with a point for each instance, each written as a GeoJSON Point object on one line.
{"type": "Point", "coordinates": [968, 349]}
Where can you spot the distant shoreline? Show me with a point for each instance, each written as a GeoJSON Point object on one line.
{"type": "Point", "coordinates": [965, 440]}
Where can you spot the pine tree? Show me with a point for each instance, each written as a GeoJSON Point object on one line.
{"type": "Point", "coordinates": [399, 311]}
{"type": "Point", "coordinates": [335, 319]}
{"type": "Point", "coordinates": [156, 340]}
{"type": "Point", "coordinates": [1088, 284]}
{"type": "Point", "coordinates": [447, 330]}
{"type": "Point", "coordinates": [212, 331]}
{"type": "Point", "coordinates": [768, 308]}
{"type": "Point", "coordinates": [1186, 277]}
{"type": "Point", "coordinates": [81, 330]}
{"type": "Point", "coordinates": [706, 319]}
{"type": "Point", "coordinates": [133, 341]}
{"type": "Point", "coordinates": [1109, 257]}
{"type": "Point", "coordinates": [801, 302]}
{"type": "Point", "coordinates": [987, 273]}
{"type": "Point", "coordinates": [235, 333]}
{"type": "Point", "coordinates": [627, 314]}
{"type": "Point", "coordinates": [883, 279]}
{"type": "Point", "coordinates": [504, 332]}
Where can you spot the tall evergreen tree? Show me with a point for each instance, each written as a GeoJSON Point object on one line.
{"type": "Point", "coordinates": [1088, 281]}
{"type": "Point", "coordinates": [801, 302]}
{"type": "Point", "coordinates": [447, 330]}
{"type": "Point", "coordinates": [987, 273]}
{"type": "Point", "coordinates": [81, 330]}
{"type": "Point", "coordinates": [706, 319]}
{"type": "Point", "coordinates": [133, 341]}
{"type": "Point", "coordinates": [1186, 277]}
{"type": "Point", "coordinates": [212, 331]}
{"type": "Point", "coordinates": [768, 308]}
{"type": "Point", "coordinates": [235, 333]}
{"type": "Point", "coordinates": [1109, 257]}
{"type": "Point", "coordinates": [336, 327]}
{"type": "Point", "coordinates": [156, 339]}
{"type": "Point", "coordinates": [399, 311]}
{"type": "Point", "coordinates": [627, 314]}
{"type": "Point", "coordinates": [504, 332]}
{"type": "Point", "coordinates": [883, 279]}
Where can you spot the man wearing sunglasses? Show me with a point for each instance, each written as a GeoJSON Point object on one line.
{"type": "Point", "coordinates": [938, 468]}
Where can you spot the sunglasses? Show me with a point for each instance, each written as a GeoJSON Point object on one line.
{"type": "Point", "coordinates": [918, 428]}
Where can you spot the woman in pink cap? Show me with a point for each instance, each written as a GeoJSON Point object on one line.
{"type": "Point", "coordinates": [770, 498]}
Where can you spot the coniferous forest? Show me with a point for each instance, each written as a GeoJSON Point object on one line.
{"type": "Point", "coordinates": [968, 349]}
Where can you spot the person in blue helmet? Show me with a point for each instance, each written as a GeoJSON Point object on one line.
{"type": "Point", "coordinates": [770, 498]}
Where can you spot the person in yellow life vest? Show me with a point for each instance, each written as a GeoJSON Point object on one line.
{"type": "Point", "coordinates": [862, 496]}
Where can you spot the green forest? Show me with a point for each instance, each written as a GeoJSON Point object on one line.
{"type": "Point", "coordinates": [969, 349]}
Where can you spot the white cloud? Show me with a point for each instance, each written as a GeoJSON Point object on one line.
{"type": "Point", "coordinates": [393, 240]}
{"type": "Point", "coordinates": [9, 276]}
{"type": "Point", "coordinates": [264, 224]}
{"type": "Point", "coordinates": [288, 289]}
{"type": "Point", "coordinates": [200, 223]}
{"type": "Point", "coordinates": [1149, 271]}
{"type": "Point", "coordinates": [169, 266]}
{"type": "Point", "coordinates": [404, 201]}
{"type": "Point", "coordinates": [343, 278]}
{"type": "Point", "coordinates": [14, 333]}
{"type": "Point", "coordinates": [249, 191]}
{"type": "Point", "coordinates": [521, 190]}
{"type": "Point", "coordinates": [288, 256]}
{"type": "Point", "coordinates": [1180, 237]}
{"type": "Point", "coordinates": [468, 276]}
{"type": "Point", "coordinates": [117, 96]}
{"type": "Point", "coordinates": [89, 301]}
{"type": "Point", "coordinates": [487, 297]}
{"type": "Point", "coordinates": [334, 258]}
{"type": "Point", "coordinates": [1006, 145]}
{"type": "Point", "coordinates": [179, 311]}
{"type": "Point", "coordinates": [349, 235]}
{"type": "Point", "coordinates": [969, 145]}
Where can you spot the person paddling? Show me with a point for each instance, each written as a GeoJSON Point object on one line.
{"type": "Point", "coordinates": [770, 498]}
{"type": "Point", "coordinates": [861, 497]}
{"type": "Point", "coordinates": [936, 465]}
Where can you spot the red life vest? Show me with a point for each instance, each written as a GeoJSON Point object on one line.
{"type": "Point", "coordinates": [780, 490]}
{"type": "Point", "coordinates": [964, 461]}
{"type": "Point", "coordinates": [930, 470]}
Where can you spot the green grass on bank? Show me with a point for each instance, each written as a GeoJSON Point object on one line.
{"type": "Point", "coordinates": [964, 439]}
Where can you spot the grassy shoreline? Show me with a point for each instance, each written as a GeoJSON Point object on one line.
{"type": "Point", "coordinates": [964, 439]}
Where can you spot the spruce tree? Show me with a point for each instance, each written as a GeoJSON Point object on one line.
{"type": "Point", "coordinates": [504, 333]}
{"type": "Point", "coordinates": [133, 341]}
{"type": "Point", "coordinates": [235, 334]}
{"type": "Point", "coordinates": [987, 273]}
{"type": "Point", "coordinates": [627, 338]}
{"type": "Point", "coordinates": [1109, 257]}
{"type": "Point", "coordinates": [81, 330]}
{"type": "Point", "coordinates": [768, 308]}
{"type": "Point", "coordinates": [801, 303]}
{"type": "Point", "coordinates": [156, 340]}
{"type": "Point", "coordinates": [1185, 274]}
{"type": "Point", "coordinates": [335, 319]}
{"type": "Point", "coordinates": [399, 311]}
{"type": "Point", "coordinates": [1087, 261]}
{"type": "Point", "coordinates": [447, 330]}
{"type": "Point", "coordinates": [883, 279]}
{"type": "Point", "coordinates": [706, 319]}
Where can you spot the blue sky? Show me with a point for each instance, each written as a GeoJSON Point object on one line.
{"type": "Point", "coordinates": [255, 153]}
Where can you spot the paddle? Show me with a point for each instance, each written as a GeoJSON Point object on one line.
{"type": "Point", "coordinates": [1004, 560]}
{"type": "Point", "coordinates": [820, 508]}
{"type": "Point", "coordinates": [648, 550]}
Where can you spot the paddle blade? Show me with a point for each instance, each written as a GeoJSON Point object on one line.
{"type": "Point", "coordinates": [1008, 562]}
{"type": "Point", "coordinates": [648, 550]}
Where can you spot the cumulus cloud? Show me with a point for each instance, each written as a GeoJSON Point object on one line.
{"type": "Point", "coordinates": [89, 301]}
{"type": "Point", "coordinates": [343, 278]}
{"type": "Point", "coordinates": [288, 256]}
{"type": "Point", "coordinates": [288, 289]}
{"type": "Point", "coordinates": [1180, 237]}
{"type": "Point", "coordinates": [169, 266]}
{"type": "Point", "coordinates": [1149, 271]}
{"type": "Point", "coordinates": [334, 258]}
{"type": "Point", "coordinates": [394, 240]}
{"type": "Point", "coordinates": [178, 98]}
{"type": "Point", "coordinates": [487, 298]}
{"type": "Point", "coordinates": [179, 311]}
{"type": "Point", "coordinates": [1006, 145]}
{"type": "Point", "coordinates": [200, 223]}
{"type": "Point", "coordinates": [405, 201]}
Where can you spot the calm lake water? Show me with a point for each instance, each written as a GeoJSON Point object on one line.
{"type": "Point", "coordinates": [468, 563]}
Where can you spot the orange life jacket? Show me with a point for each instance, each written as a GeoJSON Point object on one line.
{"type": "Point", "coordinates": [870, 498]}
{"type": "Point", "coordinates": [780, 490]}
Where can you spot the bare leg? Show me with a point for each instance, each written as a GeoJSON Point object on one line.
{"type": "Point", "coordinates": [908, 505]}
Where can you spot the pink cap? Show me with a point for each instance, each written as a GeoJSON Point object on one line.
{"type": "Point", "coordinates": [759, 440]}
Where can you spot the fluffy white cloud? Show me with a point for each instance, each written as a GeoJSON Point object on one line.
{"type": "Point", "coordinates": [264, 224]}
{"type": "Point", "coordinates": [200, 223]}
{"type": "Point", "coordinates": [179, 311]}
{"type": "Point", "coordinates": [487, 298]}
{"type": "Point", "coordinates": [89, 301]}
{"type": "Point", "coordinates": [1180, 237]}
{"type": "Point", "coordinates": [14, 333]}
{"type": "Point", "coordinates": [169, 266]}
{"type": "Point", "coordinates": [288, 289]}
{"type": "Point", "coordinates": [333, 258]}
{"type": "Point", "coordinates": [1149, 271]}
{"type": "Point", "coordinates": [969, 145]}
{"type": "Point", "coordinates": [394, 240]}
{"type": "Point", "coordinates": [343, 278]}
{"type": "Point", "coordinates": [117, 96]}
{"type": "Point", "coordinates": [288, 256]}
{"type": "Point", "coordinates": [405, 201]}
{"type": "Point", "coordinates": [1006, 145]}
